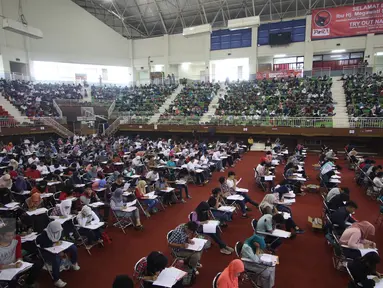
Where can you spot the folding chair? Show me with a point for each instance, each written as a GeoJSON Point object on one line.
{"type": "Point", "coordinates": [379, 219]}
{"type": "Point", "coordinates": [122, 222]}
{"type": "Point", "coordinates": [254, 223]}
{"type": "Point", "coordinates": [215, 280]}
{"type": "Point", "coordinates": [252, 276]}
{"type": "Point", "coordinates": [138, 276]}
{"type": "Point", "coordinates": [83, 238]}
{"type": "Point", "coordinates": [355, 285]}
{"type": "Point", "coordinates": [258, 180]}
{"type": "Point", "coordinates": [339, 259]}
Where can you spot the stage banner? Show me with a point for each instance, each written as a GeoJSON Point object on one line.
{"type": "Point", "coordinates": [279, 74]}
{"type": "Point", "coordinates": [347, 21]}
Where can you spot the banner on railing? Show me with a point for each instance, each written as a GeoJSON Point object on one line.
{"type": "Point", "coordinates": [279, 74]}
{"type": "Point", "coordinates": [344, 21]}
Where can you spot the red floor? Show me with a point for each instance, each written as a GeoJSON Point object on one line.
{"type": "Point", "coordinates": [304, 262]}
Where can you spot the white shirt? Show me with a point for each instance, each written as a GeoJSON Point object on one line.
{"type": "Point", "coordinates": [230, 183]}
{"type": "Point", "coordinates": [216, 155]}
{"type": "Point", "coordinates": [43, 169]}
{"type": "Point", "coordinates": [152, 176]}
{"type": "Point", "coordinates": [378, 184]}
{"type": "Point", "coordinates": [333, 192]}
{"type": "Point", "coordinates": [190, 166]}
{"type": "Point", "coordinates": [33, 161]}
{"type": "Point", "coordinates": [136, 162]}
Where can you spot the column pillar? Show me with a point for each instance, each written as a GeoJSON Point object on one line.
{"type": "Point", "coordinates": [166, 56]}
{"type": "Point", "coordinates": [369, 52]}
{"type": "Point", "coordinates": [207, 57]}
{"type": "Point", "coordinates": [131, 60]}
{"type": "Point", "coordinates": [309, 48]}
{"type": "Point", "coordinates": [253, 63]}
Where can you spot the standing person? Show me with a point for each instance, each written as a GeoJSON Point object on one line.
{"type": "Point", "coordinates": [250, 143]}
{"type": "Point", "coordinates": [229, 276]}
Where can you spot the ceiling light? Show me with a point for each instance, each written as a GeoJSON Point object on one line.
{"type": "Point", "coordinates": [379, 54]}
{"type": "Point", "coordinates": [279, 55]}
{"type": "Point", "coordinates": [338, 51]}
{"type": "Point", "coordinates": [186, 63]}
{"type": "Point", "coordinates": [336, 56]}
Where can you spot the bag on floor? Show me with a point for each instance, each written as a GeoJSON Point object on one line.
{"type": "Point", "coordinates": [189, 278]}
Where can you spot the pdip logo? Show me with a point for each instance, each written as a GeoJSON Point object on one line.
{"type": "Point", "coordinates": [321, 32]}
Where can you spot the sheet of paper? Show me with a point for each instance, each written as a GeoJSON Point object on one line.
{"type": "Point", "coordinates": [275, 162]}
{"type": "Point", "coordinates": [61, 219]}
{"type": "Point", "coordinates": [127, 193]}
{"type": "Point", "coordinates": [335, 177]}
{"type": "Point", "coordinates": [57, 249]}
{"type": "Point", "coordinates": [367, 250]}
{"type": "Point", "coordinates": [29, 237]}
{"type": "Point", "coordinates": [300, 179]}
{"type": "Point", "coordinates": [46, 195]}
{"type": "Point", "coordinates": [134, 176]}
{"type": "Point", "coordinates": [300, 168]}
{"type": "Point", "coordinates": [269, 178]}
{"type": "Point", "coordinates": [210, 227]}
{"type": "Point", "coordinates": [12, 204]}
{"type": "Point", "coordinates": [198, 244]}
{"type": "Point", "coordinates": [37, 211]}
{"type": "Point", "coordinates": [180, 182]}
{"type": "Point", "coordinates": [298, 174]}
{"type": "Point", "coordinates": [79, 185]}
{"type": "Point", "coordinates": [198, 170]}
{"type": "Point", "coordinates": [378, 284]}
{"type": "Point", "coordinates": [277, 233]}
{"type": "Point", "coordinates": [269, 259]}
{"type": "Point", "coordinates": [168, 189]}
{"type": "Point", "coordinates": [53, 183]}
{"type": "Point", "coordinates": [226, 208]}
{"type": "Point", "coordinates": [94, 226]}
{"type": "Point", "coordinates": [129, 209]}
{"type": "Point", "coordinates": [96, 204]}
{"type": "Point", "coordinates": [241, 190]}
{"type": "Point", "coordinates": [126, 186]}
{"type": "Point", "coordinates": [8, 274]}
{"type": "Point", "coordinates": [335, 181]}
{"type": "Point", "coordinates": [129, 204]}
{"type": "Point", "coordinates": [168, 277]}
{"type": "Point", "coordinates": [236, 197]}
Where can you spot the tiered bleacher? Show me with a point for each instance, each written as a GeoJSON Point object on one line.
{"type": "Point", "coordinates": [258, 102]}
{"type": "Point", "coordinates": [36, 99]}
{"type": "Point", "coordinates": [141, 102]}
{"type": "Point", "coordinates": [364, 94]}
{"type": "Point", "coordinates": [190, 104]}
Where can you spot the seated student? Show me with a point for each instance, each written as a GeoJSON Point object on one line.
{"type": "Point", "coordinates": [20, 185]}
{"type": "Point", "coordinates": [129, 171]}
{"type": "Point", "coordinates": [74, 180]}
{"type": "Point", "coordinates": [5, 189]}
{"type": "Point", "coordinates": [123, 281]}
{"type": "Point", "coordinates": [268, 206]}
{"type": "Point", "coordinates": [338, 201]}
{"type": "Point", "coordinates": [252, 249]}
{"type": "Point", "coordinates": [34, 202]}
{"type": "Point", "coordinates": [343, 215]}
{"type": "Point", "coordinates": [152, 176]}
{"type": "Point", "coordinates": [363, 267]}
{"type": "Point", "coordinates": [88, 197]}
{"type": "Point", "coordinates": [140, 194]}
{"type": "Point", "coordinates": [11, 255]}
{"type": "Point", "coordinates": [291, 180]}
{"type": "Point", "coordinates": [336, 191]}
{"type": "Point", "coordinates": [50, 237]}
{"type": "Point", "coordinates": [267, 223]}
{"type": "Point", "coordinates": [281, 190]}
{"type": "Point", "coordinates": [87, 217]}
{"type": "Point", "coordinates": [226, 192]}
{"type": "Point", "coordinates": [64, 210]}
{"type": "Point", "coordinates": [378, 182]}
{"type": "Point", "coordinates": [179, 240]}
{"type": "Point", "coordinates": [232, 183]}
{"type": "Point", "coordinates": [40, 187]}
{"type": "Point", "coordinates": [32, 172]}
{"type": "Point", "coordinates": [216, 158]}
{"type": "Point", "coordinates": [229, 276]}
{"type": "Point", "coordinates": [160, 185]}
{"type": "Point", "coordinates": [201, 216]}
{"type": "Point", "coordinates": [215, 201]}
{"type": "Point", "coordinates": [149, 270]}
{"type": "Point", "coordinates": [67, 193]}
{"type": "Point", "coordinates": [355, 237]}
{"type": "Point", "coordinates": [191, 167]}
{"type": "Point", "coordinates": [118, 183]}
{"type": "Point", "coordinates": [262, 171]}
{"type": "Point", "coordinates": [117, 205]}
{"type": "Point", "coordinates": [109, 167]}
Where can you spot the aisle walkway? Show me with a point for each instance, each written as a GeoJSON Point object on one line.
{"type": "Point", "coordinates": [305, 261]}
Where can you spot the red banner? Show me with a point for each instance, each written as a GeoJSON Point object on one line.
{"type": "Point", "coordinates": [279, 74]}
{"type": "Point", "coordinates": [347, 21]}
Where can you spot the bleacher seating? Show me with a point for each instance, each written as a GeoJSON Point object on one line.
{"type": "Point", "coordinates": [190, 104]}
{"type": "Point", "coordinates": [364, 95]}
{"type": "Point", "coordinates": [252, 101]}
{"type": "Point", "coordinates": [36, 99]}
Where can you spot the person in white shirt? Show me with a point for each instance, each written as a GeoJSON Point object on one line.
{"type": "Point", "coordinates": [216, 158]}
{"type": "Point", "coordinates": [152, 176]}
{"type": "Point", "coordinates": [192, 169]}
{"type": "Point", "coordinates": [33, 160]}
{"type": "Point", "coordinates": [378, 182]}
{"type": "Point", "coordinates": [85, 218]}
{"type": "Point", "coordinates": [137, 164]}
{"type": "Point", "coordinates": [42, 168]}
{"type": "Point", "coordinates": [231, 182]}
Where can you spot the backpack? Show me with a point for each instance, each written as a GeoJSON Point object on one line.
{"type": "Point", "coordinates": [190, 277]}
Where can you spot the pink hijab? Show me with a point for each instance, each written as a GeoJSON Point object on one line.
{"type": "Point", "coordinates": [365, 227]}
{"type": "Point", "coordinates": [229, 276]}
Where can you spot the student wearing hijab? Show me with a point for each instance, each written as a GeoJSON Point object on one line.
{"type": "Point", "coordinates": [268, 206]}
{"type": "Point", "coordinates": [5, 182]}
{"type": "Point", "coordinates": [201, 216]}
{"type": "Point", "coordinates": [50, 237]}
{"type": "Point", "coordinates": [140, 195]}
{"type": "Point", "coordinates": [63, 210]}
{"type": "Point", "coordinates": [363, 267]}
{"type": "Point", "coordinates": [117, 205]}
{"type": "Point", "coordinates": [355, 237]}
{"type": "Point", "coordinates": [85, 218]}
{"type": "Point", "coordinates": [229, 276]}
{"type": "Point", "coordinates": [252, 249]}
{"type": "Point", "coordinates": [5, 189]}
{"type": "Point", "coordinates": [20, 185]}
{"type": "Point", "coordinates": [149, 270]}
{"type": "Point", "coordinates": [34, 202]}
{"type": "Point", "coordinates": [160, 185]}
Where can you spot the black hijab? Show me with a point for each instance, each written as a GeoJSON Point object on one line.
{"type": "Point", "coordinates": [156, 262]}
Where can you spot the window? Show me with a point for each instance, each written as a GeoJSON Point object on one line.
{"type": "Point", "coordinates": [317, 58]}
{"type": "Point", "coordinates": [288, 63]}
{"type": "Point", "coordinates": [296, 27]}
{"type": "Point", "coordinates": [230, 39]}
{"type": "Point", "coordinates": [337, 61]}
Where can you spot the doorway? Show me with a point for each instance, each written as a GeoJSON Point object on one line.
{"type": "Point", "coordinates": [19, 71]}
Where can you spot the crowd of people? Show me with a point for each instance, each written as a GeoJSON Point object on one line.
{"type": "Point", "coordinates": [36, 99]}
{"type": "Point", "coordinates": [364, 94]}
{"type": "Point", "coordinates": [191, 103]}
{"type": "Point", "coordinates": [246, 101]}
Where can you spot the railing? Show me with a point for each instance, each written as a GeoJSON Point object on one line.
{"type": "Point", "coordinates": [113, 127]}
{"type": "Point", "coordinates": [366, 122]}
{"type": "Point", "coordinates": [320, 72]}
{"type": "Point", "coordinates": [75, 102]}
{"type": "Point", "coordinates": [28, 121]}
{"type": "Point", "coordinates": [58, 109]}
{"type": "Point", "coordinates": [353, 69]}
{"type": "Point", "coordinates": [111, 108]}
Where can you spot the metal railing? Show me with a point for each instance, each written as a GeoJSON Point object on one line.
{"type": "Point", "coordinates": [111, 108]}
{"type": "Point", "coordinates": [366, 122]}
{"type": "Point", "coordinates": [58, 109]}
{"type": "Point", "coordinates": [75, 102]}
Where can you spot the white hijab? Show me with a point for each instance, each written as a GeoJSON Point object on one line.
{"type": "Point", "coordinates": [65, 207]}
{"type": "Point", "coordinates": [54, 230]}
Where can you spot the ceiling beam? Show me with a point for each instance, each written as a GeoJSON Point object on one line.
{"type": "Point", "coordinates": [161, 18]}
{"type": "Point", "coordinates": [201, 6]}
{"type": "Point", "coordinates": [141, 16]}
